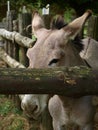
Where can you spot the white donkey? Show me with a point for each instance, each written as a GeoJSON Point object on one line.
{"type": "Point", "coordinates": [55, 47]}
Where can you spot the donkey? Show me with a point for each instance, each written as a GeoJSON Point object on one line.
{"type": "Point", "coordinates": [53, 48]}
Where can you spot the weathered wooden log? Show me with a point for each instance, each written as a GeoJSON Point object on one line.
{"type": "Point", "coordinates": [24, 21]}
{"type": "Point", "coordinates": [19, 39]}
{"type": "Point", "coordinates": [11, 15]}
{"type": "Point", "coordinates": [74, 81]}
{"type": "Point", "coordinates": [93, 27]}
{"type": "Point", "coordinates": [10, 61]}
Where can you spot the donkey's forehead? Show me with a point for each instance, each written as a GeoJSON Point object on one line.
{"type": "Point", "coordinates": [50, 37]}
{"type": "Point", "coordinates": [47, 41]}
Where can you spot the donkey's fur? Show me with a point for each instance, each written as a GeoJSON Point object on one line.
{"type": "Point", "coordinates": [54, 47]}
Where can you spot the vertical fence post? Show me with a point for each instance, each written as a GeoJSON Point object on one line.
{"type": "Point", "coordinates": [24, 21]}
{"type": "Point", "coordinates": [15, 45]}
{"type": "Point", "coordinates": [9, 28]}
{"type": "Point", "coordinates": [46, 16]}
{"type": "Point", "coordinates": [12, 49]}
{"type": "Point", "coordinates": [92, 29]}
{"type": "Point", "coordinates": [47, 19]}
{"type": "Point", "coordinates": [11, 15]}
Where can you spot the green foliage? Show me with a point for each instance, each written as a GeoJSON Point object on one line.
{"type": "Point", "coordinates": [78, 5]}
{"type": "Point", "coordinates": [69, 14]}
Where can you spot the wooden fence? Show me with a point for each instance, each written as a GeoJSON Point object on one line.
{"type": "Point", "coordinates": [16, 36]}
{"type": "Point", "coordinates": [2, 25]}
{"type": "Point", "coordinates": [17, 40]}
{"type": "Point", "coordinates": [19, 24]}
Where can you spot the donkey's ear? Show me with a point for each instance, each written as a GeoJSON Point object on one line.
{"type": "Point", "coordinates": [73, 28]}
{"type": "Point", "coordinates": [37, 22]}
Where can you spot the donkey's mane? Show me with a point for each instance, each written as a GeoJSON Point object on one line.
{"type": "Point", "coordinates": [78, 43]}
{"type": "Point", "coordinates": [58, 22]}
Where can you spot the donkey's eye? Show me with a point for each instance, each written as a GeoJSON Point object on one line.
{"type": "Point", "coordinates": [53, 61]}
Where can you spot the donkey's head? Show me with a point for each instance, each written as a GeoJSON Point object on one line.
{"type": "Point", "coordinates": [54, 47]}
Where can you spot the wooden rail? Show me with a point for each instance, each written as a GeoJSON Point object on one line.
{"type": "Point", "coordinates": [18, 38]}
{"type": "Point", "coordinates": [9, 60]}
{"type": "Point", "coordinates": [74, 81]}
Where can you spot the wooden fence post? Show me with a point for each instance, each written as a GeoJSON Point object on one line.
{"type": "Point", "coordinates": [47, 19]}
{"type": "Point", "coordinates": [46, 15]}
{"type": "Point", "coordinates": [11, 49]}
{"type": "Point", "coordinates": [24, 21]}
{"type": "Point", "coordinates": [92, 29]}
{"type": "Point", "coordinates": [15, 45]}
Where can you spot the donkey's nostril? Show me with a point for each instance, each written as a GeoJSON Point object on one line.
{"type": "Point", "coordinates": [35, 108]}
